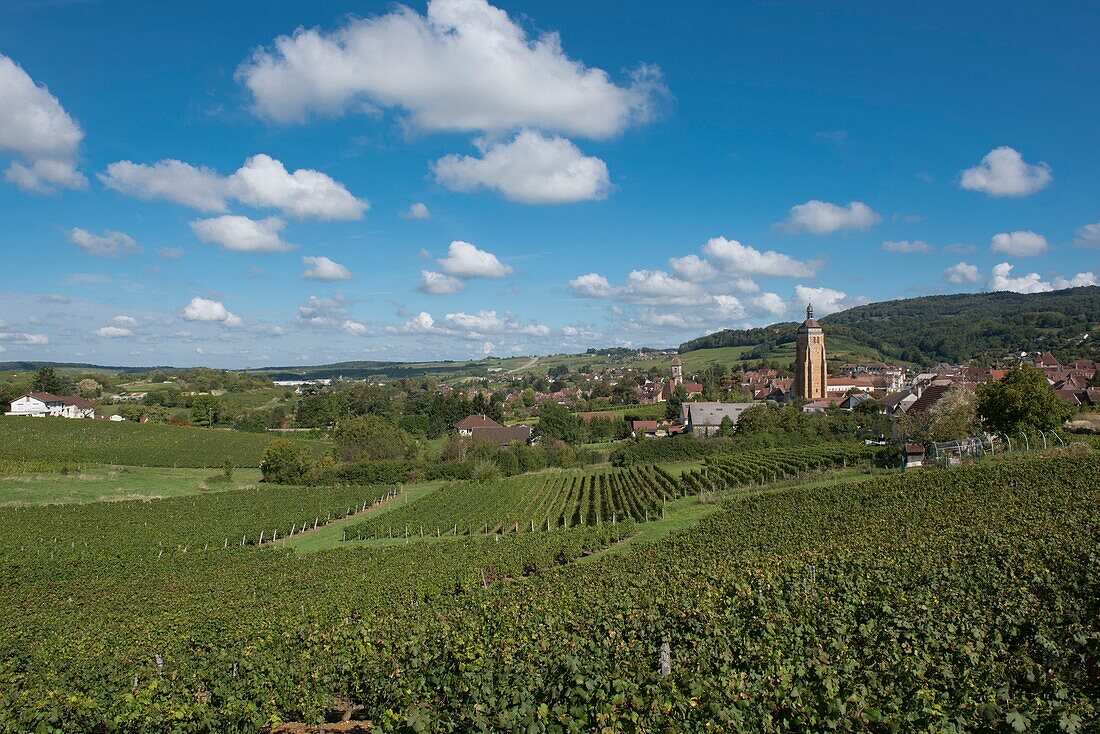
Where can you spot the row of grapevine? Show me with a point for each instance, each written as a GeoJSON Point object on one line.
{"type": "Point", "coordinates": [531, 502]}
{"type": "Point", "coordinates": [733, 470]}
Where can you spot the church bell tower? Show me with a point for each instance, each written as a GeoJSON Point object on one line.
{"type": "Point", "coordinates": [810, 370]}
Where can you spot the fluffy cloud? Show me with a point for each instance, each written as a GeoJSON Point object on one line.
{"type": "Point", "coordinates": [1003, 172]}
{"type": "Point", "coordinates": [305, 194]}
{"type": "Point", "coordinates": [109, 244]}
{"type": "Point", "coordinates": [771, 303]}
{"type": "Point", "coordinates": [23, 339]}
{"type": "Point", "coordinates": [321, 268]}
{"type": "Point", "coordinates": [465, 65]}
{"type": "Point", "coordinates": [234, 232]}
{"type": "Point", "coordinates": [192, 186]}
{"type": "Point", "coordinates": [1088, 236]}
{"type": "Point", "coordinates": [113, 332]}
{"type": "Point", "coordinates": [825, 300]}
{"type": "Point", "coordinates": [324, 312]}
{"type": "Point", "coordinates": [728, 307]}
{"type": "Point", "coordinates": [262, 182]}
{"type": "Point", "coordinates": [1019, 244]}
{"type": "Point", "coordinates": [734, 258]}
{"type": "Point", "coordinates": [531, 169]}
{"type": "Point", "coordinates": [591, 285]}
{"type": "Point", "coordinates": [906, 246]}
{"type": "Point", "coordinates": [693, 268]}
{"type": "Point", "coordinates": [438, 284]}
{"type": "Point", "coordinates": [419, 210]}
{"type": "Point", "coordinates": [34, 126]}
{"type": "Point", "coordinates": [962, 273]}
{"type": "Point", "coordinates": [467, 261]}
{"type": "Point", "coordinates": [1077, 281]}
{"type": "Point", "coordinates": [1002, 280]}
{"type": "Point", "coordinates": [822, 217]}
{"type": "Point", "coordinates": [125, 320]}
{"type": "Point", "coordinates": [202, 309]}
{"type": "Point", "coordinates": [471, 325]}
{"type": "Point", "coordinates": [355, 328]}
{"type": "Point", "coordinates": [656, 287]}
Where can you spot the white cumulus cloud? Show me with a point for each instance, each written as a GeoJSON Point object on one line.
{"type": "Point", "coordinates": [771, 303]}
{"type": "Point", "coordinates": [530, 169]}
{"type": "Point", "coordinates": [823, 217]}
{"type": "Point", "coordinates": [113, 332]}
{"type": "Point", "coordinates": [206, 310]}
{"type": "Point", "coordinates": [962, 272]}
{"type": "Point", "coordinates": [1021, 243]}
{"type": "Point", "coordinates": [35, 127]}
{"type": "Point", "coordinates": [465, 66]}
{"type": "Point", "coordinates": [1088, 236]}
{"type": "Point", "coordinates": [1003, 172]}
{"type": "Point", "coordinates": [906, 246]}
{"type": "Point", "coordinates": [305, 194]}
{"type": "Point", "coordinates": [419, 210]}
{"type": "Point", "coordinates": [109, 244]}
{"type": "Point", "coordinates": [23, 339]}
{"type": "Point", "coordinates": [192, 186]}
{"type": "Point", "coordinates": [824, 300]}
{"type": "Point", "coordinates": [1002, 280]}
{"type": "Point", "coordinates": [321, 268]}
{"type": "Point", "coordinates": [355, 328]}
{"type": "Point", "coordinates": [591, 285]}
{"type": "Point", "coordinates": [693, 268]}
{"type": "Point", "coordinates": [262, 182]}
{"type": "Point", "coordinates": [735, 258]}
{"type": "Point", "coordinates": [1078, 281]}
{"type": "Point", "coordinates": [236, 232]}
{"type": "Point", "coordinates": [465, 260]}
{"type": "Point", "coordinates": [438, 284]}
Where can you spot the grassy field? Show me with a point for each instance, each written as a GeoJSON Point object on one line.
{"type": "Point", "coordinates": [132, 444]}
{"type": "Point", "coordinates": [112, 483]}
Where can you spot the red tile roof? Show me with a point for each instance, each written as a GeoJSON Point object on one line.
{"type": "Point", "coordinates": [476, 421]}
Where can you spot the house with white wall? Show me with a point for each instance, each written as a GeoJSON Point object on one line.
{"type": "Point", "coordinates": [44, 405]}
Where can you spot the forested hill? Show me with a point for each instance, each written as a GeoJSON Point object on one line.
{"type": "Point", "coordinates": [950, 328]}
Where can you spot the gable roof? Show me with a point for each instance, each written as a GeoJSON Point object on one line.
{"type": "Point", "coordinates": [476, 421]}
{"type": "Point", "coordinates": [504, 435]}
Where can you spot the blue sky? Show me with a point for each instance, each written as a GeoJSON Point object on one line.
{"type": "Point", "coordinates": [255, 183]}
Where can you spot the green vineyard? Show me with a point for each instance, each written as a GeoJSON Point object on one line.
{"type": "Point", "coordinates": [950, 600]}
{"type": "Point", "coordinates": [733, 470]}
{"type": "Point", "coordinates": [530, 503]}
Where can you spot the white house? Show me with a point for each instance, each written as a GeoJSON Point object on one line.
{"type": "Point", "coordinates": [43, 404]}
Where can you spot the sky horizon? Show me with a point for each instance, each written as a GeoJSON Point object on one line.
{"type": "Point", "coordinates": [256, 184]}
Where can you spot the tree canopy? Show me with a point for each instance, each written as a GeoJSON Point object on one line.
{"type": "Point", "coordinates": [1022, 402]}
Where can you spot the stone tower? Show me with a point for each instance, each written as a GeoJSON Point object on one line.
{"type": "Point", "coordinates": [677, 371]}
{"type": "Point", "coordinates": [810, 370]}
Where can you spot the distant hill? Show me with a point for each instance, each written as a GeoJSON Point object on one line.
{"type": "Point", "coordinates": [936, 329]}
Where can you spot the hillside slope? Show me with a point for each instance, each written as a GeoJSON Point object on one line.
{"type": "Point", "coordinates": [946, 328]}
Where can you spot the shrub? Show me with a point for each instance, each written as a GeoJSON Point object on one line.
{"type": "Point", "coordinates": [286, 462]}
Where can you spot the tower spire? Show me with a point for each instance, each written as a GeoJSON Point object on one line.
{"type": "Point", "coordinates": [809, 310]}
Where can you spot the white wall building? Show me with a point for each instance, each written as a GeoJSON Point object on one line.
{"type": "Point", "coordinates": [44, 405]}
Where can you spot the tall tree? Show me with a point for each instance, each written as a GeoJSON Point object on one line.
{"type": "Point", "coordinates": [47, 380]}
{"type": "Point", "coordinates": [1022, 402]}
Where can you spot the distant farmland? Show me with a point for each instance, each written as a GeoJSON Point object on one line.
{"type": "Point", "coordinates": [101, 442]}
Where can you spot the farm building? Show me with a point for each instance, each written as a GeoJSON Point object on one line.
{"type": "Point", "coordinates": [704, 419]}
{"type": "Point", "coordinates": [482, 426]}
{"type": "Point", "coordinates": [44, 404]}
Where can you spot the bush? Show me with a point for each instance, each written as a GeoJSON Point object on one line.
{"type": "Point", "coordinates": [484, 472]}
{"type": "Point", "coordinates": [286, 462]}
{"type": "Point", "coordinates": [371, 438]}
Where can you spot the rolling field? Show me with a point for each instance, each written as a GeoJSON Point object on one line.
{"type": "Point", "coordinates": [131, 444]}
{"type": "Point", "coordinates": [94, 483]}
{"type": "Point", "coordinates": [942, 600]}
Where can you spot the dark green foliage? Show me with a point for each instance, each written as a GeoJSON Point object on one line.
{"type": "Point", "coordinates": [48, 380]}
{"type": "Point", "coordinates": [675, 402]}
{"type": "Point", "coordinates": [286, 462]}
{"type": "Point", "coordinates": [556, 423]}
{"type": "Point", "coordinates": [1022, 402]}
{"type": "Point", "coordinates": [370, 438]}
{"type": "Point", "coordinates": [948, 328]}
